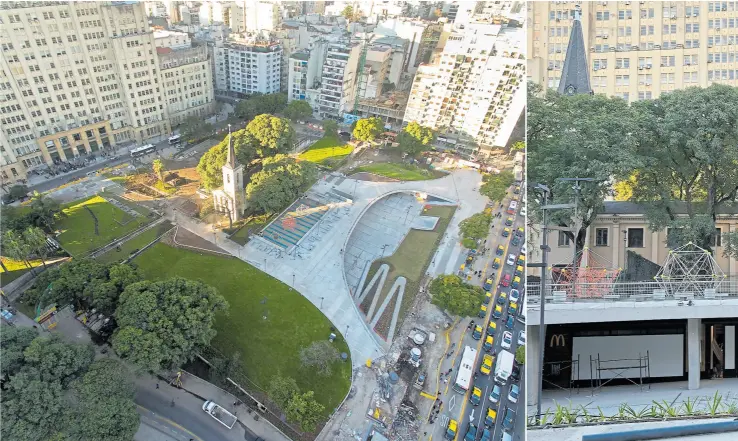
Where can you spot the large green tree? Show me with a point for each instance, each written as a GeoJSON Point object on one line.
{"type": "Point", "coordinates": [320, 355]}
{"type": "Point", "coordinates": [281, 180]}
{"type": "Point", "coordinates": [44, 212]}
{"type": "Point", "coordinates": [415, 139]}
{"type": "Point", "coordinates": [305, 410]}
{"type": "Point", "coordinates": [161, 323]}
{"type": "Point", "coordinates": [298, 109]}
{"type": "Point", "coordinates": [15, 247]}
{"type": "Point", "coordinates": [35, 241]}
{"type": "Point", "coordinates": [14, 341]}
{"type": "Point", "coordinates": [105, 407]}
{"type": "Point", "coordinates": [688, 161]}
{"type": "Point", "coordinates": [367, 129]}
{"type": "Point", "coordinates": [580, 136]}
{"type": "Point", "coordinates": [195, 128]}
{"type": "Point", "coordinates": [257, 104]}
{"type": "Point", "coordinates": [330, 127]}
{"type": "Point", "coordinates": [495, 185]}
{"type": "Point", "coordinates": [474, 228]}
{"type": "Point", "coordinates": [282, 389]}
{"type": "Point", "coordinates": [263, 137]}
{"type": "Point", "coordinates": [450, 293]}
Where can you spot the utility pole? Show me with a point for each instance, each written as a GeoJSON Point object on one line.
{"type": "Point", "coordinates": [542, 326]}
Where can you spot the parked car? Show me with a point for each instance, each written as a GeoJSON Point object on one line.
{"type": "Point", "coordinates": [496, 393]}
{"type": "Point", "coordinates": [500, 250]}
{"type": "Point", "coordinates": [506, 280]}
{"type": "Point", "coordinates": [509, 420]}
{"type": "Point", "coordinates": [491, 417]}
{"type": "Point", "coordinates": [521, 337]}
{"type": "Point", "coordinates": [501, 298]}
{"type": "Point", "coordinates": [477, 332]}
{"type": "Point", "coordinates": [509, 221]}
{"type": "Point", "coordinates": [510, 259]}
{"type": "Point", "coordinates": [514, 296]}
{"type": "Point", "coordinates": [451, 429]}
{"type": "Point", "coordinates": [514, 392]}
{"type": "Point", "coordinates": [506, 232]}
{"type": "Point", "coordinates": [489, 343]}
{"type": "Point", "coordinates": [497, 312]}
{"type": "Point", "coordinates": [510, 322]}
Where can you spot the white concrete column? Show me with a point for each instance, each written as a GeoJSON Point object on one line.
{"type": "Point", "coordinates": [732, 262]}
{"type": "Point", "coordinates": [655, 243]}
{"type": "Point", "coordinates": [532, 351]}
{"type": "Point", "coordinates": [615, 244]}
{"type": "Point", "coordinates": [730, 347]}
{"type": "Point", "coordinates": [693, 352]}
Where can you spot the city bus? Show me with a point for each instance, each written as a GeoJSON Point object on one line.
{"type": "Point", "coordinates": [466, 370]}
{"type": "Point", "coordinates": [174, 140]}
{"type": "Point", "coordinates": [143, 150]}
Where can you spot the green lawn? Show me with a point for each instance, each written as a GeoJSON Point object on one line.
{"type": "Point", "coordinates": [135, 243]}
{"type": "Point", "coordinates": [327, 150]}
{"type": "Point", "coordinates": [15, 269]}
{"type": "Point", "coordinates": [402, 172]}
{"type": "Point", "coordinates": [254, 223]}
{"type": "Point", "coordinates": [267, 346]}
{"type": "Point", "coordinates": [78, 227]}
{"type": "Point", "coordinates": [410, 260]}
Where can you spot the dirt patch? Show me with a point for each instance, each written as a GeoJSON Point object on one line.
{"type": "Point", "coordinates": [183, 238]}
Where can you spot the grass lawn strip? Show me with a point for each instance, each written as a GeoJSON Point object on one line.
{"type": "Point", "coordinates": [15, 269]}
{"type": "Point", "coordinates": [410, 260]}
{"type": "Point", "coordinates": [327, 149]}
{"type": "Point", "coordinates": [78, 227]}
{"type": "Point", "coordinates": [135, 243]}
{"type": "Point", "coordinates": [267, 346]}
{"type": "Point", "coordinates": [254, 223]}
{"type": "Point", "coordinates": [401, 172]}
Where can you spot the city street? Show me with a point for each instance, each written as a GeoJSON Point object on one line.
{"type": "Point", "coordinates": [457, 406]}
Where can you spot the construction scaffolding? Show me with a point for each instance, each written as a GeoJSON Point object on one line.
{"type": "Point", "coordinates": [589, 269]}
{"type": "Point", "coordinates": [689, 269]}
{"type": "Point", "coordinates": [597, 366]}
{"type": "Point", "coordinates": [559, 367]}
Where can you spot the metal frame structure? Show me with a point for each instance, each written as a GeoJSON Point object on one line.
{"type": "Point", "coordinates": [689, 268]}
{"type": "Point", "coordinates": [572, 365]}
{"type": "Point", "coordinates": [644, 371]}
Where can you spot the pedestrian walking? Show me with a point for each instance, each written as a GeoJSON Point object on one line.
{"type": "Point", "coordinates": [157, 385]}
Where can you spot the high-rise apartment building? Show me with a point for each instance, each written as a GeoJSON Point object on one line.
{"type": "Point", "coordinates": [186, 77]}
{"type": "Point", "coordinates": [474, 91]}
{"type": "Point", "coordinates": [247, 65]}
{"type": "Point", "coordinates": [637, 50]}
{"type": "Point", "coordinates": [338, 87]}
{"type": "Point", "coordinates": [76, 78]}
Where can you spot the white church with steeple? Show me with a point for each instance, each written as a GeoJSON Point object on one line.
{"type": "Point", "coordinates": [229, 200]}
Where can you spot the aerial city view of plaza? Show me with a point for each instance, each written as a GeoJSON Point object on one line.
{"type": "Point", "coordinates": [263, 220]}
{"type": "Point", "coordinates": [374, 220]}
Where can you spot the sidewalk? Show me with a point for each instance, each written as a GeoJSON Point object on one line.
{"type": "Point", "coordinates": [206, 391]}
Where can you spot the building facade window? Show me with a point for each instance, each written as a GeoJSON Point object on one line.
{"type": "Point", "coordinates": [563, 239]}
{"type": "Point", "coordinates": [601, 237]}
{"type": "Point", "coordinates": [717, 238]}
{"type": "Point", "coordinates": [635, 237]}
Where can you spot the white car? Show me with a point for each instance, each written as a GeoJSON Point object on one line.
{"type": "Point", "coordinates": [511, 259]}
{"type": "Point", "coordinates": [506, 340]}
{"type": "Point", "coordinates": [523, 211]}
{"type": "Point", "coordinates": [514, 392]}
{"type": "Point", "coordinates": [514, 296]}
{"type": "Point", "coordinates": [524, 249]}
{"type": "Point", "coordinates": [494, 396]}
{"type": "Point", "coordinates": [521, 338]}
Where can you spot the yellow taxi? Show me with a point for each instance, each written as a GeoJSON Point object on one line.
{"type": "Point", "coordinates": [453, 426]}
{"type": "Point", "coordinates": [483, 311]}
{"type": "Point", "coordinates": [491, 417]}
{"type": "Point", "coordinates": [476, 396]}
{"type": "Point", "coordinates": [486, 367]}
{"type": "Point", "coordinates": [495, 263]}
{"type": "Point", "coordinates": [515, 282]}
{"type": "Point", "coordinates": [521, 260]}
{"type": "Point", "coordinates": [489, 343]}
{"type": "Point", "coordinates": [519, 270]}
{"type": "Point", "coordinates": [487, 297]}
{"type": "Point", "coordinates": [497, 313]}
{"type": "Point", "coordinates": [491, 328]}
{"type": "Point", "coordinates": [506, 232]}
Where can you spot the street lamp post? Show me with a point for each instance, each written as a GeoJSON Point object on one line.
{"type": "Point", "coordinates": [321, 303]}
{"type": "Point", "coordinates": [542, 326]}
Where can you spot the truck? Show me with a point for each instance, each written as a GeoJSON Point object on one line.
{"type": "Point", "coordinates": [219, 413]}
{"type": "Point", "coordinates": [503, 368]}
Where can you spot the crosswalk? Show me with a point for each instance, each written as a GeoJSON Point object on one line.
{"type": "Point", "coordinates": [443, 420]}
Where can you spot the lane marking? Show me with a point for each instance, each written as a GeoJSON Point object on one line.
{"type": "Point", "coordinates": [427, 395]}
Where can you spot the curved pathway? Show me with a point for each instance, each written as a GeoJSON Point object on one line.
{"type": "Point", "coordinates": [319, 273]}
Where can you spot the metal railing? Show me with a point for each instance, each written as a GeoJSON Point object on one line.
{"type": "Point", "coordinates": [722, 289]}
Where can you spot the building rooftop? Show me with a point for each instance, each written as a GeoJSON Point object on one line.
{"type": "Point", "coordinates": [304, 56]}
{"type": "Point", "coordinates": [161, 33]}
{"type": "Point", "coordinates": [678, 207]}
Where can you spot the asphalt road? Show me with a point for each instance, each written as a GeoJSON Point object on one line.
{"type": "Point", "coordinates": [187, 415]}
{"type": "Point", "coordinates": [457, 406]}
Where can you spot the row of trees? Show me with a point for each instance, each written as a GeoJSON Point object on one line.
{"type": "Point", "coordinates": [452, 294]}
{"type": "Point", "coordinates": [495, 185]}
{"type": "Point", "coordinates": [24, 246]}
{"type": "Point", "coordinates": [413, 139]}
{"type": "Point", "coordinates": [258, 104]}
{"type": "Point", "coordinates": [54, 390]}
{"type": "Point", "coordinates": [675, 154]}
{"type": "Point", "coordinates": [300, 407]}
{"type": "Point", "coordinates": [475, 228]}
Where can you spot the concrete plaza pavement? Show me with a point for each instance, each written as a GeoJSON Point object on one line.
{"type": "Point", "coordinates": [319, 274]}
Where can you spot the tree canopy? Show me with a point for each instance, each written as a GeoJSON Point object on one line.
{"type": "Point", "coordinates": [281, 180]}
{"type": "Point", "coordinates": [453, 295]}
{"type": "Point", "coordinates": [305, 410]}
{"type": "Point", "coordinates": [415, 139]}
{"type": "Point", "coordinates": [298, 109]}
{"type": "Point", "coordinates": [518, 145]}
{"type": "Point", "coordinates": [330, 127]}
{"type": "Point", "coordinates": [258, 104]}
{"type": "Point", "coordinates": [263, 137]}
{"type": "Point", "coordinates": [520, 354]}
{"type": "Point", "coordinates": [54, 390]}
{"type": "Point", "coordinates": [474, 228]}
{"type": "Point", "coordinates": [282, 389]}
{"type": "Point", "coordinates": [195, 128]}
{"type": "Point", "coordinates": [585, 136]}
{"type": "Point", "coordinates": [367, 129]}
{"type": "Point", "coordinates": [319, 355]}
{"type": "Point", "coordinates": [495, 185]}
{"type": "Point", "coordinates": [161, 322]}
